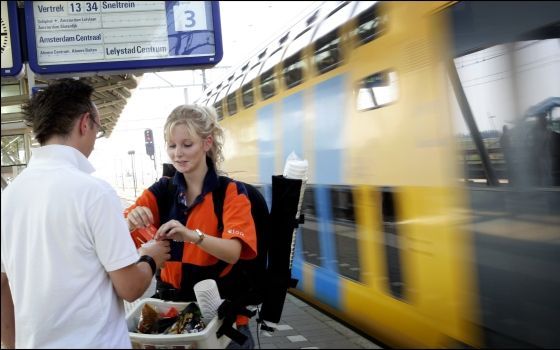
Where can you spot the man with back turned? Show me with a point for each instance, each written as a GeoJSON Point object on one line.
{"type": "Point", "coordinates": [67, 258]}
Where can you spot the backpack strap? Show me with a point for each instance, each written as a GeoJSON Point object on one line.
{"type": "Point", "coordinates": [165, 291]}
{"type": "Point", "coordinates": [165, 202]}
{"type": "Point", "coordinates": [218, 197]}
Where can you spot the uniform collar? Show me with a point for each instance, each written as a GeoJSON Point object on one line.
{"type": "Point", "coordinates": [211, 180]}
{"type": "Point", "coordinates": [56, 155]}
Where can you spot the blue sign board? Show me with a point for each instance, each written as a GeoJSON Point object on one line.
{"type": "Point", "coordinates": [104, 36]}
{"type": "Point", "coordinates": [12, 65]}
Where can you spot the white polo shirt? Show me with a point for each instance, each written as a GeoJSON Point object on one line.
{"type": "Point", "coordinates": [62, 231]}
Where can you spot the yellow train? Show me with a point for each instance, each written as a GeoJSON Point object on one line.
{"type": "Point", "coordinates": [431, 128]}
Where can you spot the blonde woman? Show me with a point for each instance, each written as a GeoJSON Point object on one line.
{"type": "Point", "coordinates": [182, 209]}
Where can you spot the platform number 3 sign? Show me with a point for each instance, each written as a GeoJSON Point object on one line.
{"type": "Point", "coordinates": [189, 16]}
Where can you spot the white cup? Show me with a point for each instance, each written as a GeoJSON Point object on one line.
{"type": "Point", "coordinates": [293, 170]}
{"type": "Point", "coordinates": [208, 298]}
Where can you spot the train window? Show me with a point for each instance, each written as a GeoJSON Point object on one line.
{"type": "Point", "coordinates": [232, 103]}
{"type": "Point", "coordinates": [268, 84]}
{"type": "Point", "coordinates": [248, 95]}
{"type": "Point", "coordinates": [310, 229]}
{"type": "Point", "coordinates": [253, 72]}
{"type": "Point", "coordinates": [344, 226]}
{"type": "Point", "coordinates": [377, 90]}
{"type": "Point", "coordinates": [392, 243]}
{"type": "Point", "coordinates": [219, 109]}
{"type": "Point", "coordinates": [334, 19]}
{"type": "Point", "coordinates": [293, 70]}
{"type": "Point", "coordinates": [515, 139]}
{"type": "Point", "coordinates": [370, 25]}
{"type": "Point", "coordinates": [247, 91]}
{"type": "Point", "coordinates": [274, 57]}
{"type": "Point", "coordinates": [327, 55]}
{"type": "Point", "coordinates": [299, 42]}
{"type": "Point", "coordinates": [268, 78]}
{"type": "Point", "coordinates": [13, 150]}
{"type": "Point", "coordinates": [220, 100]}
{"type": "Point", "coordinates": [232, 97]}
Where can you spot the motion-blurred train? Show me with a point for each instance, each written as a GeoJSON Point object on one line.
{"type": "Point", "coordinates": [432, 208]}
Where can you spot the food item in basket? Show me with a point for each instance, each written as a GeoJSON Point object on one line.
{"type": "Point", "coordinates": [166, 319]}
{"type": "Point", "coordinates": [188, 321]}
{"type": "Point", "coordinates": [172, 312]}
{"type": "Point", "coordinates": [164, 323]}
{"type": "Point", "coordinates": [196, 324]}
{"type": "Point", "coordinates": [148, 319]}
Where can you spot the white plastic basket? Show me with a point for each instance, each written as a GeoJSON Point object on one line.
{"type": "Point", "coordinates": [202, 340]}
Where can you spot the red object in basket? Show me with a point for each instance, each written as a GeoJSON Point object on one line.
{"type": "Point", "coordinates": [172, 312]}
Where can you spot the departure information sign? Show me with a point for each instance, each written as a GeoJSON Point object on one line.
{"type": "Point", "coordinates": [96, 36]}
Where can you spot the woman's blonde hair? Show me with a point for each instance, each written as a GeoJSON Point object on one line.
{"type": "Point", "coordinates": [201, 121]}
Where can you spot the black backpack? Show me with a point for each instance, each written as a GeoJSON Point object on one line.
{"type": "Point", "coordinates": [252, 272]}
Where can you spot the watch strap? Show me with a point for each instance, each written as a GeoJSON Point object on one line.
{"type": "Point", "coordinates": [200, 237]}
{"type": "Point", "coordinates": [150, 261]}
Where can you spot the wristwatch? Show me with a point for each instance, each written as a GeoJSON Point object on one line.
{"type": "Point", "coordinates": [150, 261]}
{"type": "Point", "coordinates": [200, 237]}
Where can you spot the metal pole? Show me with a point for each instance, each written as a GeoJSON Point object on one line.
{"type": "Point", "coordinates": [131, 152]}
{"type": "Point", "coordinates": [155, 167]}
{"type": "Point", "coordinates": [491, 177]}
{"type": "Point", "coordinates": [142, 170]}
{"type": "Point", "coordinates": [122, 175]}
{"type": "Point", "coordinates": [204, 79]}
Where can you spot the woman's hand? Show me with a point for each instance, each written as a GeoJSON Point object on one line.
{"type": "Point", "coordinates": [176, 231]}
{"type": "Point", "coordinates": [228, 250]}
{"type": "Point", "coordinates": [139, 217]}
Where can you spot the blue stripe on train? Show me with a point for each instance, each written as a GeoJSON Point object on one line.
{"type": "Point", "coordinates": [292, 125]}
{"type": "Point", "coordinates": [329, 107]}
{"type": "Point", "coordinates": [265, 141]}
{"type": "Point", "coordinates": [292, 133]}
{"type": "Point", "coordinates": [329, 130]}
{"type": "Point", "coordinates": [329, 103]}
{"type": "Point", "coordinates": [297, 267]}
{"type": "Point", "coordinates": [327, 282]}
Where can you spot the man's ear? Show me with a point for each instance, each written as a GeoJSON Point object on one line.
{"type": "Point", "coordinates": [83, 123]}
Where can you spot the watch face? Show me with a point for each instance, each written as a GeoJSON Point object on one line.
{"type": "Point", "coordinates": [4, 33]}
